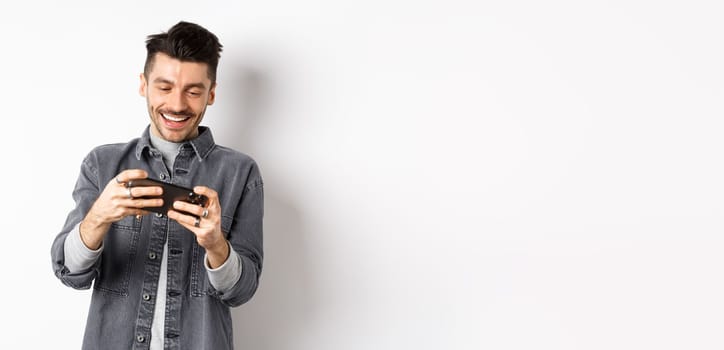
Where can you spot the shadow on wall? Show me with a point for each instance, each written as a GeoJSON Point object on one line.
{"type": "Point", "coordinates": [285, 299]}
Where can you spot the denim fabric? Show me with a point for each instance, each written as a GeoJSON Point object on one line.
{"type": "Point", "coordinates": [125, 278]}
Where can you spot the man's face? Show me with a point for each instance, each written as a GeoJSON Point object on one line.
{"type": "Point", "coordinates": [177, 94]}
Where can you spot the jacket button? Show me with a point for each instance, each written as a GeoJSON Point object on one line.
{"type": "Point", "coordinates": [146, 297]}
{"type": "Point", "coordinates": [152, 256]}
{"type": "Point", "coordinates": [162, 176]}
{"type": "Point", "coordinates": [159, 215]}
{"type": "Point", "coordinates": [140, 339]}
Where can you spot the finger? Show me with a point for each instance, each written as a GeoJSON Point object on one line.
{"type": "Point", "coordinates": [131, 174]}
{"type": "Point", "coordinates": [146, 191]}
{"type": "Point", "coordinates": [187, 221]}
{"type": "Point", "coordinates": [212, 204]}
{"type": "Point", "coordinates": [139, 197]}
{"type": "Point", "coordinates": [189, 208]}
{"type": "Point", "coordinates": [208, 192]}
{"type": "Point", "coordinates": [125, 192]}
{"type": "Point", "coordinates": [145, 203]}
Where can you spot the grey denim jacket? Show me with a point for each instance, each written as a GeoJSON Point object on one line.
{"type": "Point", "coordinates": [125, 278]}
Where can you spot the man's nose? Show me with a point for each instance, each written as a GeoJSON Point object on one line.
{"type": "Point", "coordinates": [177, 101]}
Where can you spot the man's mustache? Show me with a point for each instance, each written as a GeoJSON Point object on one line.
{"type": "Point", "coordinates": [185, 113]}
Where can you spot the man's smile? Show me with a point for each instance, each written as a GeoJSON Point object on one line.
{"type": "Point", "coordinates": [171, 117]}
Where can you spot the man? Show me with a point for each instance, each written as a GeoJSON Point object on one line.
{"type": "Point", "coordinates": [166, 281]}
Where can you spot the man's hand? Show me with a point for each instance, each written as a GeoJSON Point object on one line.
{"type": "Point", "coordinates": [207, 227]}
{"type": "Point", "coordinates": [116, 202]}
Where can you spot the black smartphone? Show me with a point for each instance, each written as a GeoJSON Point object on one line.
{"type": "Point", "coordinates": [171, 193]}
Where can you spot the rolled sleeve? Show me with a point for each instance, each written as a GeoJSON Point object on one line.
{"type": "Point", "coordinates": [224, 277]}
{"type": "Point", "coordinates": [78, 257]}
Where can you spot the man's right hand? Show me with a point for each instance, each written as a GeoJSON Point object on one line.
{"type": "Point", "coordinates": [116, 202]}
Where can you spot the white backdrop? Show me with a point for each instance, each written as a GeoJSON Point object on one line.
{"type": "Point", "coordinates": [439, 174]}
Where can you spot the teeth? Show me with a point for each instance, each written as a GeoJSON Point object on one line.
{"type": "Point", "coordinates": [174, 118]}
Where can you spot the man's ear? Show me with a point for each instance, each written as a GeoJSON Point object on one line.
{"type": "Point", "coordinates": [143, 87]}
{"type": "Point", "coordinates": [212, 95]}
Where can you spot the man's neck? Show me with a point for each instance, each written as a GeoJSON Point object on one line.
{"type": "Point", "coordinates": [168, 149]}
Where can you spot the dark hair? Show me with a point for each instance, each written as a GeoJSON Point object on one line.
{"type": "Point", "coordinates": [187, 42]}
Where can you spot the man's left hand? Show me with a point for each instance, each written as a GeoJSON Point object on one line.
{"type": "Point", "coordinates": [207, 227]}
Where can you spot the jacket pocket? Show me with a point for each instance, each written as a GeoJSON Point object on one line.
{"type": "Point", "coordinates": [119, 251]}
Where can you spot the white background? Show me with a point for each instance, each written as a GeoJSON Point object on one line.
{"type": "Point", "coordinates": [439, 174]}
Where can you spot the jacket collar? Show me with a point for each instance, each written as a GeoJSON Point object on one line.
{"type": "Point", "coordinates": [201, 145]}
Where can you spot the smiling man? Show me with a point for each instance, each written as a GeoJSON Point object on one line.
{"type": "Point", "coordinates": [166, 280]}
{"type": "Point", "coordinates": [177, 93]}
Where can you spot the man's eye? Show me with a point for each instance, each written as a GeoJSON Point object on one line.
{"type": "Point", "coordinates": [194, 93]}
{"type": "Point", "coordinates": [164, 88]}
